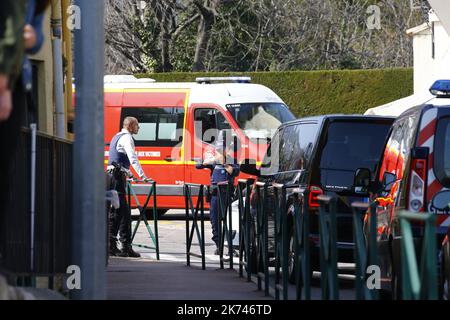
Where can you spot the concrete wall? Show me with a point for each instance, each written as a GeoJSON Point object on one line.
{"type": "Point", "coordinates": [426, 68]}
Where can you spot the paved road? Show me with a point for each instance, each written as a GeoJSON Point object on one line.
{"type": "Point", "coordinates": [145, 279]}
{"type": "Point", "coordinates": [172, 238]}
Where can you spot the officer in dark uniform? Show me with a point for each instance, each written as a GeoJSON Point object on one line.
{"type": "Point", "coordinates": [122, 156]}
{"type": "Point", "coordinates": [224, 168]}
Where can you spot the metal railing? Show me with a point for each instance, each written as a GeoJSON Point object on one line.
{"type": "Point", "coordinates": [151, 192]}
{"type": "Point", "coordinates": [224, 200]}
{"type": "Point", "coordinates": [192, 212]}
{"type": "Point", "coordinates": [328, 248]}
{"type": "Point", "coordinates": [262, 232]}
{"type": "Point", "coordinates": [302, 254]}
{"type": "Point", "coordinates": [282, 238]}
{"type": "Point", "coordinates": [245, 225]}
{"type": "Point", "coordinates": [418, 282]}
{"type": "Point", "coordinates": [39, 246]}
{"type": "Point", "coordinates": [365, 252]}
{"type": "Point", "coordinates": [293, 241]}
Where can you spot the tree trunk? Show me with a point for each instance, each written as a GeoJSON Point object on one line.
{"type": "Point", "coordinates": [205, 26]}
{"type": "Point", "coordinates": [166, 40]}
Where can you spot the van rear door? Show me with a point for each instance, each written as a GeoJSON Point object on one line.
{"type": "Point", "coordinates": [349, 144]}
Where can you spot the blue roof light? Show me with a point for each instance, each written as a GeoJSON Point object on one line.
{"type": "Point", "coordinates": [441, 88]}
{"type": "Point", "coordinates": [241, 79]}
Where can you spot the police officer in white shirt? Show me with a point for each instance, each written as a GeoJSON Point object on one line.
{"type": "Point", "coordinates": [122, 155]}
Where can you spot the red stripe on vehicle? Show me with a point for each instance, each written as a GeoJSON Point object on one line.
{"type": "Point", "coordinates": [427, 132]}
{"type": "Point", "coordinates": [434, 188]}
{"type": "Point", "coordinates": [430, 161]}
{"type": "Point", "coordinates": [440, 219]}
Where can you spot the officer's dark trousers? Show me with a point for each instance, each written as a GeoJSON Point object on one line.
{"type": "Point", "coordinates": [120, 219]}
{"type": "Point", "coordinates": [214, 218]}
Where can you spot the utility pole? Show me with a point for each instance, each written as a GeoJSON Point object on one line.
{"type": "Point", "coordinates": [89, 216]}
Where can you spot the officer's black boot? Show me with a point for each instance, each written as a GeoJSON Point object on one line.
{"type": "Point", "coordinates": [128, 252]}
{"type": "Point", "coordinates": [113, 250]}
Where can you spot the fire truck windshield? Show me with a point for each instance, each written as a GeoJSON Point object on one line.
{"type": "Point", "coordinates": [260, 120]}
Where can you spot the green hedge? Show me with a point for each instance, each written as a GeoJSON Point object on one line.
{"type": "Point", "coordinates": [323, 92]}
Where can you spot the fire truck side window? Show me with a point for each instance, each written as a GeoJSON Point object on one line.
{"type": "Point", "coordinates": [159, 127]}
{"type": "Point", "coordinates": [208, 123]}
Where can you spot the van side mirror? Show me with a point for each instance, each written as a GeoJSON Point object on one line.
{"type": "Point", "coordinates": [441, 201]}
{"type": "Point", "coordinates": [361, 181]}
{"type": "Point", "coordinates": [388, 181]}
{"type": "Point", "coordinates": [250, 168]}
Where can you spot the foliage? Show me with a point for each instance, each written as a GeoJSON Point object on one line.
{"type": "Point", "coordinates": [322, 92]}
{"type": "Point", "coordinates": [257, 35]}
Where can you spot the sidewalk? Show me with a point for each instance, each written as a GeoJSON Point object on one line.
{"type": "Point", "coordinates": [141, 279]}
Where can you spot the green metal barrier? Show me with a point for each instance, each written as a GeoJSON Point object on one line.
{"type": "Point", "coordinates": [418, 283]}
{"type": "Point", "coordinates": [224, 198]}
{"type": "Point", "coordinates": [245, 221]}
{"type": "Point", "coordinates": [302, 255]}
{"type": "Point", "coordinates": [262, 256]}
{"type": "Point", "coordinates": [143, 217]}
{"type": "Point", "coordinates": [328, 248]}
{"type": "Point", "coordinates": [365, 251]}
{"type": "Point", "coordinates": [192, 212]}
{"type": "Point", "coordinates": [282, 238]}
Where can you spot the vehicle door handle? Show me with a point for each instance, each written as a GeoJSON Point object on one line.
{"type": "Point", "coordinates": [168, 159]}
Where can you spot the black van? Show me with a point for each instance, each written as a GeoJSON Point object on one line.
{"type": "Point", "coordinates": [321, 154]}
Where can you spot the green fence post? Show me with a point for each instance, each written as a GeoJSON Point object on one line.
{"type": "Point", "coordinates": [199, 207]}
{"type": "Point", "coordinates": [262, 243]}
{"type": "Point", "coordinates": [372, 243]}
{"type": "Point", "coordinates": [328, 248]}
{"type": "Point", "coordinates": [281, 243]}
{"type": "Point", "coordinates": [155, 219]}
{"type": "Point", "coordinates": [225, 230]}
{"type": "Point", "coordinates": [285, 236]}
{"type": "Point", "coordinates": [222, 223]}
{"type": "Point", "coordinates": [187, 198]}
{"type": "Point", "coordinates": [244, 227]}
{"type": "Point", "coordinates": [418, 283]}
{"type": "Point", "coordinates": [360, 250]}
{"type": "Point", "coordinates": [142, 216]}
{"type": "Point", "coordinates": [303, 267]}
{"type": "Point", "coordinates": [230, 193]}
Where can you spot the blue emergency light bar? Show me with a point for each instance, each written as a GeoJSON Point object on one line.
{"type": "Point", "coordinates": [441, 88]}
{"type": "Point", "coordinates": [224, 79]}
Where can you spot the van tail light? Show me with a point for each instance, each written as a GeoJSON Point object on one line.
{"type": "Point", "coordinates": [314, 192]}
{"type": "Point", "coordinates": [416, 200]}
